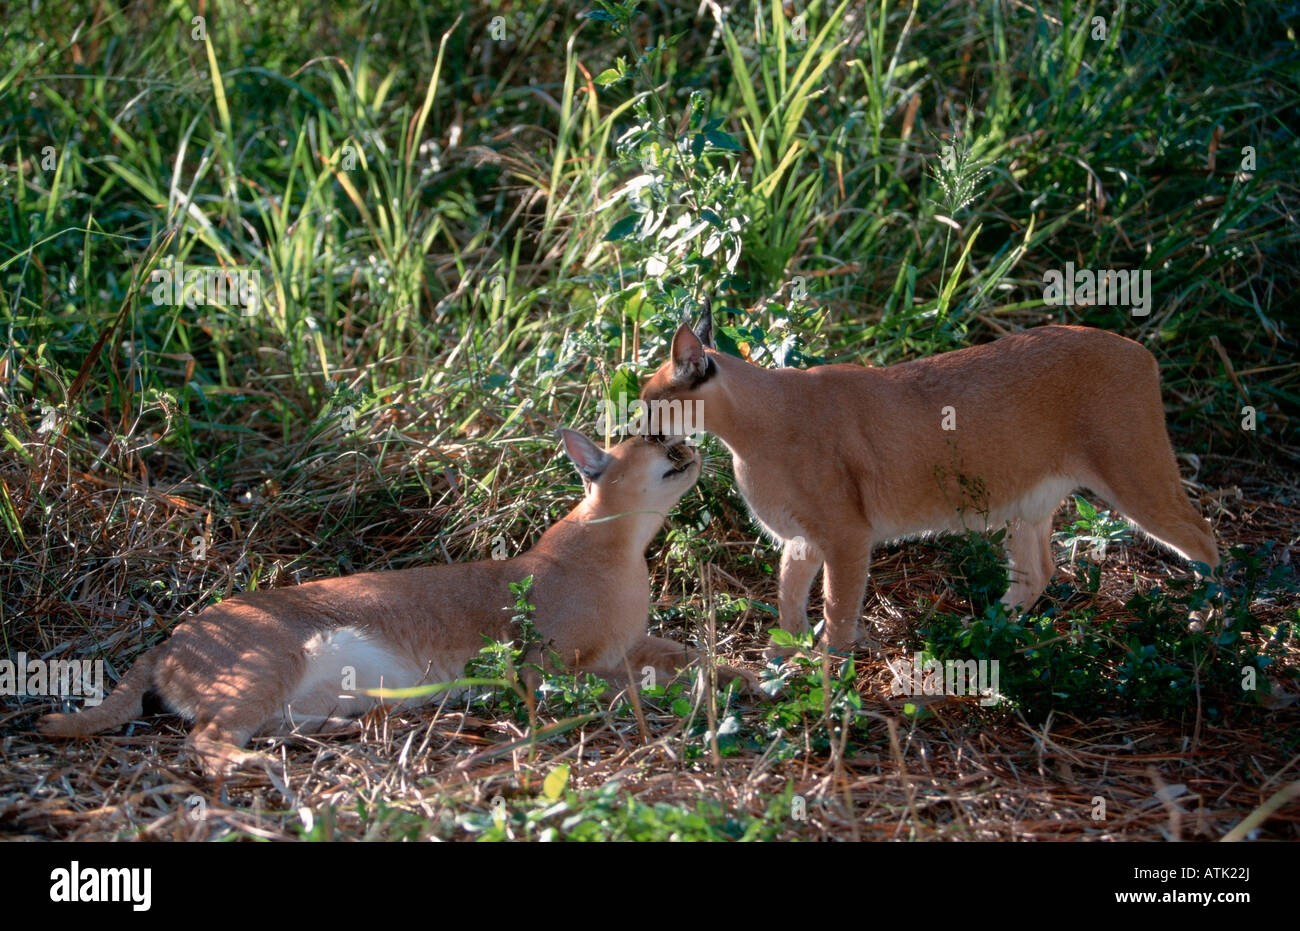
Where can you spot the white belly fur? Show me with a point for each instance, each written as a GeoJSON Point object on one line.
{"type": "Point", "coordinates": [1040, 500]}
{"type": "Point", "coordinates": [347, 656]}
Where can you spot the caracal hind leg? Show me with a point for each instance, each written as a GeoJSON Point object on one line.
{"type": "Point", "coordinates": [230, 710]}
{"type": "Point", "coordinates": [658, 660]}
{"type": "Point", "coordinates": [220, 750]}
{"type": "Point", "coordinates": [1151, 495]}
{"type": "Point", "coordinates": [1029, 550]}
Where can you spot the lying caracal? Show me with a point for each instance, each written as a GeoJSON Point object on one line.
{"type": "Point", "coordinates": [276, 658]}
{"type": "Point", "coordinates": [839, 458]}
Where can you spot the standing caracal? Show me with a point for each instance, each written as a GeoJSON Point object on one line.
{"type": "Point", "coordinates": [838, 458]}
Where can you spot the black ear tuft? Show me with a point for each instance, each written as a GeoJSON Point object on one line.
{"type": "Point", "coordinates": [689, 360]}
{"type": "Point", "coordinates": [590, 459]}
{"type": "Point", "coordinates": [704, 329]}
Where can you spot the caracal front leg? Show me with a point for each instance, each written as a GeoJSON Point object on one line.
{"type": "Point", "coordinates": [845, 585]}
{"type": "Point", "coordinates": [800, 563]}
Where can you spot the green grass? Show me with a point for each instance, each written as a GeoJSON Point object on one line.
{"type": "Point", "coordinates": [458, 257]}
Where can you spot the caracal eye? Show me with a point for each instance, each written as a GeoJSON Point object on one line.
{"type": "Point", "coordinates": [677, 454]}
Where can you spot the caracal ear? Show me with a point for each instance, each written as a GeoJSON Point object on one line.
{"type": "Point", "coordinates": [590, 459]}
{"type": "Point", "coordinates": [704, 328]}
{"type": "Point", "coordinates": [689, 360]}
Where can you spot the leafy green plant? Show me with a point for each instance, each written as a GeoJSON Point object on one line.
{"type": "Point", "coordinates": [507, 666]}
{"type": "Point", "coordinates": [1097, 530]}
{"type": "Point", "coordinates": [683, 219]}
{"type": "Point", "coordinates": [808, 700]}
{"type": "Point", "coordinates": [780, 342]}
{"type": "Point", "coordinates": [685, 698]}
{"type": "Point", "coordinates": [977, 566]}
{"type": "Point", "coordinates": [1149, 661]}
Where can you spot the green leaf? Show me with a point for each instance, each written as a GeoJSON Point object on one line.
{"type": "Point", "coordinates": [782, 638]}
{"type": "Point", "coordinates": [608, 76]}
{"type": "Point", "coordinates": [624, 382]}
{"type": "Point", "coordinates": [623, 228]}
{"type": "Point", "coordinates": [728, 340]}
{"type": "Point", "coordinates": [722, 140]}
{"type": "Point", "coordinates": [1086, 510]}
{"type": "Point", "coordinates": [945, 298]}
{"type": "Point", "coordinates": [556, 780]}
